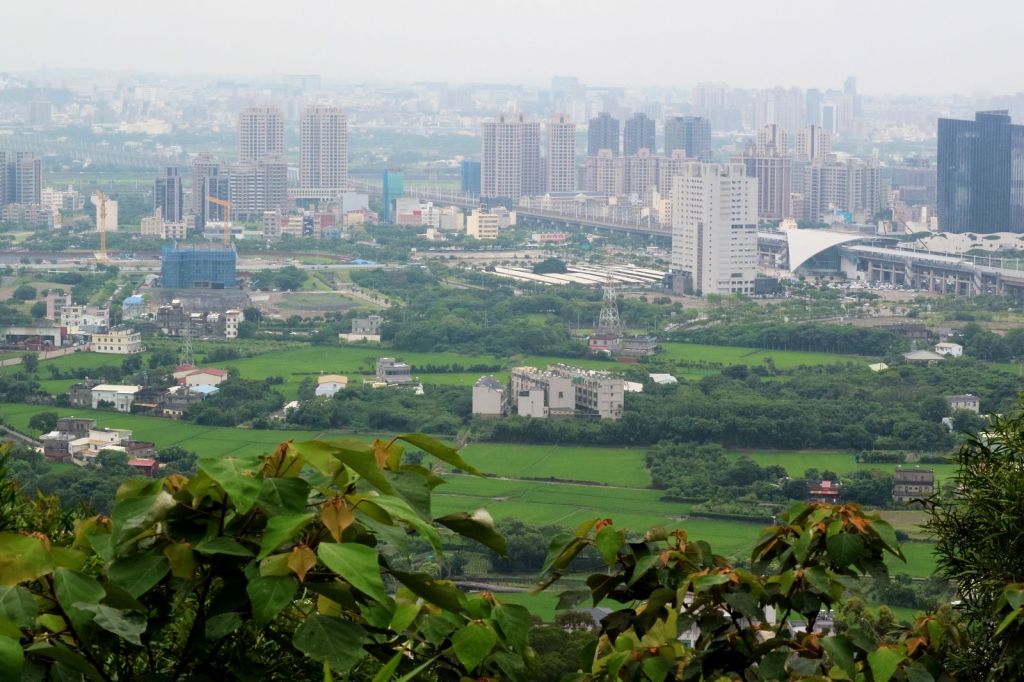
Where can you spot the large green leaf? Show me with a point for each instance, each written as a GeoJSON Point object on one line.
{"type": "Point", "coordinates": [22, 558]}
{"type": "Point", "coordinates": [608, 541]}
{"type": "Point", "coordinates": [18, 606]}
{"type": "Point", "coordinates": [387, 671]}
{"type": "Point", "coordinates": [269, 595]}
{"type": "Point", "coordinates": [281, 529]}
{"type": "Point", "coordinates": [439, 592]}
{"type": "Point", "coordinates": [138, 573]}
{"type": "Point", "coordinates": [223, 624]}
{"type": "Point", "coordinates": [331, 640]}
{"type": "Point", "coordinates": [56, 651]}
{"type": "Point", "coordinates": [413, 487]}
{"type": "Point", "coordinates": [356, 564]}
{"type": "Point", "coordinates": [477, 526]}
{"type": "Point", "coordinates": [514, 622]}
{"type": "Point", "coordinates": [883, 662]}
{"type": "Point", "coordinates": [845, 548]}
{"type": "Point", "coordinates": [473, 642]}
{"type": "Point", "coordinates": [283, 495]}
{"type": "Point", "coordinates": [840, 652]}
{"type": "Point", "coordinates": [358, 458]}
{"type": "Point", "coordinates": [12, 659]}
{"type": "Point", "coordinates": [400, 509]}
{"type": "Point", "coordinates": [127, 625]}
{"type": "Point", "coordinates": [438, 449]}
{"type": "Point", "coordinates": [888, 536]}
{"type": "Point", "coordinates": [140, 504]}
{"type": "Point", "coordinates": [236, 475]}
{"type": "Point", "coordinates": [222, 545]}
{"type": "Point", "coordinates": [74, 590]}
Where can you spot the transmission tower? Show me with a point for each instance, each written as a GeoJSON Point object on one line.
{"type": "Point", "coordinates": [609, 322]}
{"type": "Point", "coordinates": [186, 342]}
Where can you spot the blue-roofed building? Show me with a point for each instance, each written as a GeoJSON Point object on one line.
{"type": "Point", "coordinates": [133, 307]}
{"type": "Point", "coordinates": [205, 390]}
{"type": "Point", "coordinates": [205, 267]}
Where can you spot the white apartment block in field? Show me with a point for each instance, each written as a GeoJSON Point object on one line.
{"type": "Point", "coordinates": [564, 390]}
{"type": "Point", "coordinates": [117, 341]}
{"type": "Point", "coordinates": [714, 228]}
{"type": "Point", "coordinates": [489, 397]}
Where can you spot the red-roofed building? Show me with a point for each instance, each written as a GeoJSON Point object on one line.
{"type": "Point", "coordinates": [204, 377]}
{"type": "Point", "coordinates": [181, 370]}
{"type": "Point", "coordinates": [145, 465]}
{"type": "Point", "coordinates": [824, 491]}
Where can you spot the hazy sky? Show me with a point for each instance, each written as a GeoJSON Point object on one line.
{"type": "Point", "coordinates": [914, 46]}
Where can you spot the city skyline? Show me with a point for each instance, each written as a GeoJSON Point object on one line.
{"type": "Point", "coordinates": [530, 51]}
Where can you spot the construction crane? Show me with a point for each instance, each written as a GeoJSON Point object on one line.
{"type": "Point", "coordinates": [226, 205]}
{"type": "Point", "coordinates": [101, 222]}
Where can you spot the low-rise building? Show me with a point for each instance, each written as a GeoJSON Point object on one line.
{"type": "Point", "coordinates": [118, 396]}
{"type": "Point", "coordinates": [950, 349]}
{"type": "Point", "coordinates": [118, 341]}
{"type": "Point", "coordinates": [329, 384]}
{"type": "Point", "coordinates": [391, 371]}
{"type": "Point", "coordinates": [364, 329]}
{"type": "Point", "coordinates": [80, 394]}
{"type": "Point", "coordinates": [824, 491]}
{"type": "Point", "coordinates": [922, 357]}
{"type": "Point", "coordinates": [83, 319]}
{"type": "Point", "coordinates": [488, 397]}
{"type": "Point", "coordinates": [204, 377]}
{"type": "Point", "coordinates": [912, 484]}
{"type": "Point", "coordinates": [964, 402]}
{"type": "Point", "coordinates": [567, 390]}
{"type": "Point", "coordinates": [232, 320]}
{"type": "Point", "coordinates": [133, 307]}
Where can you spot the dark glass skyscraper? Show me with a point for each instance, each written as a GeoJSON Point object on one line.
{"type": "Point", "coordinates": [637, 134]}
{"type": "Point", "coordinates": [981, 174]}
{"type": "Point", "coordinates": [692, 133]}
{"type": "Point", "coordinates": [603, 133]}
{"type": "Point", "coordinates": [169, 195]}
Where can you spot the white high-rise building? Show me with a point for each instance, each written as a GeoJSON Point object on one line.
{"type": "Point", "coordinates": [812, 143]}
{"type": "Point", "coordinates": [106, 215]}
{"type": "Point", "coordinates": [561, 154]}
{"type": "Point", "coordinates": [323, 148]}
{"type": "Point", "coordinates": [510, 164]}
{"type": "Point", "coordinates": [260, 133]}
{"type": "Point", "coordinates": [714, 228]}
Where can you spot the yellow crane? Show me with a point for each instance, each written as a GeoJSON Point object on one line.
{"type": "Point", "coordinates": [226, 205]}
{"type": "Point", "coordinates": [101, 212]}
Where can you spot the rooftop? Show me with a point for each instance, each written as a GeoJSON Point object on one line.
{"type": "Point", "coordinates": [332, 379]}
{"type": "Point", "coordinates": [116, 388]}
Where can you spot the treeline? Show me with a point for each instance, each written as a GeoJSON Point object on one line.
{"type": "Point", "coordinates": [845, 406]}
{"type": "Point", "coordinates": [494, 317]}
{"type": "Point", "coordinates": [825, 338]}
{"type": "Point", "coordinates": [441, 410]}
{"type": "Point", "coordinates": [238, 401]}
{"type": "Point", "coordinates": [738, 486]}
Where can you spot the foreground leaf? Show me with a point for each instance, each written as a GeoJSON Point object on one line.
{"type": "Point", "coordinates": [477, 526]}
{"type": "Point", "coordinates": [473, 642]}
{"type": "Point", "coordinates": [356, 564]}
{"type": "Point", "coordinates": [331, 640]}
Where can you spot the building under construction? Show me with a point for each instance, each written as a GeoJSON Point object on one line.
{"type": "Point", "coordinates": [205, 267]}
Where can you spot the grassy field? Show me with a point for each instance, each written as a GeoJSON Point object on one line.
{"type": "Point", "coordinates": [730, 355]}
{"type": "Point", "coordinates": [614, 466]}
{"type": "Point", "coordinates": [624, 497]}
{"type": "Point", "coordinates": [839, 461]}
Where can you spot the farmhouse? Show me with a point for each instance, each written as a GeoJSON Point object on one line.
{"type": "Point", "coordinates": [329, 384]}
{"type": "Point", "coordinates": [119, 396]}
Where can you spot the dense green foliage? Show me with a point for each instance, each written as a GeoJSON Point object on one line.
{"type": "Point", "coordinates": [237, 401]}
{"type": "Point", "coordinates": [826, 338]}
{"type": "Point", "coordinates": [980, 547]}
{"type": "Point", "coordinates": [442, 409]}
{"type": "Point", "coordinates": [288, 278]}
